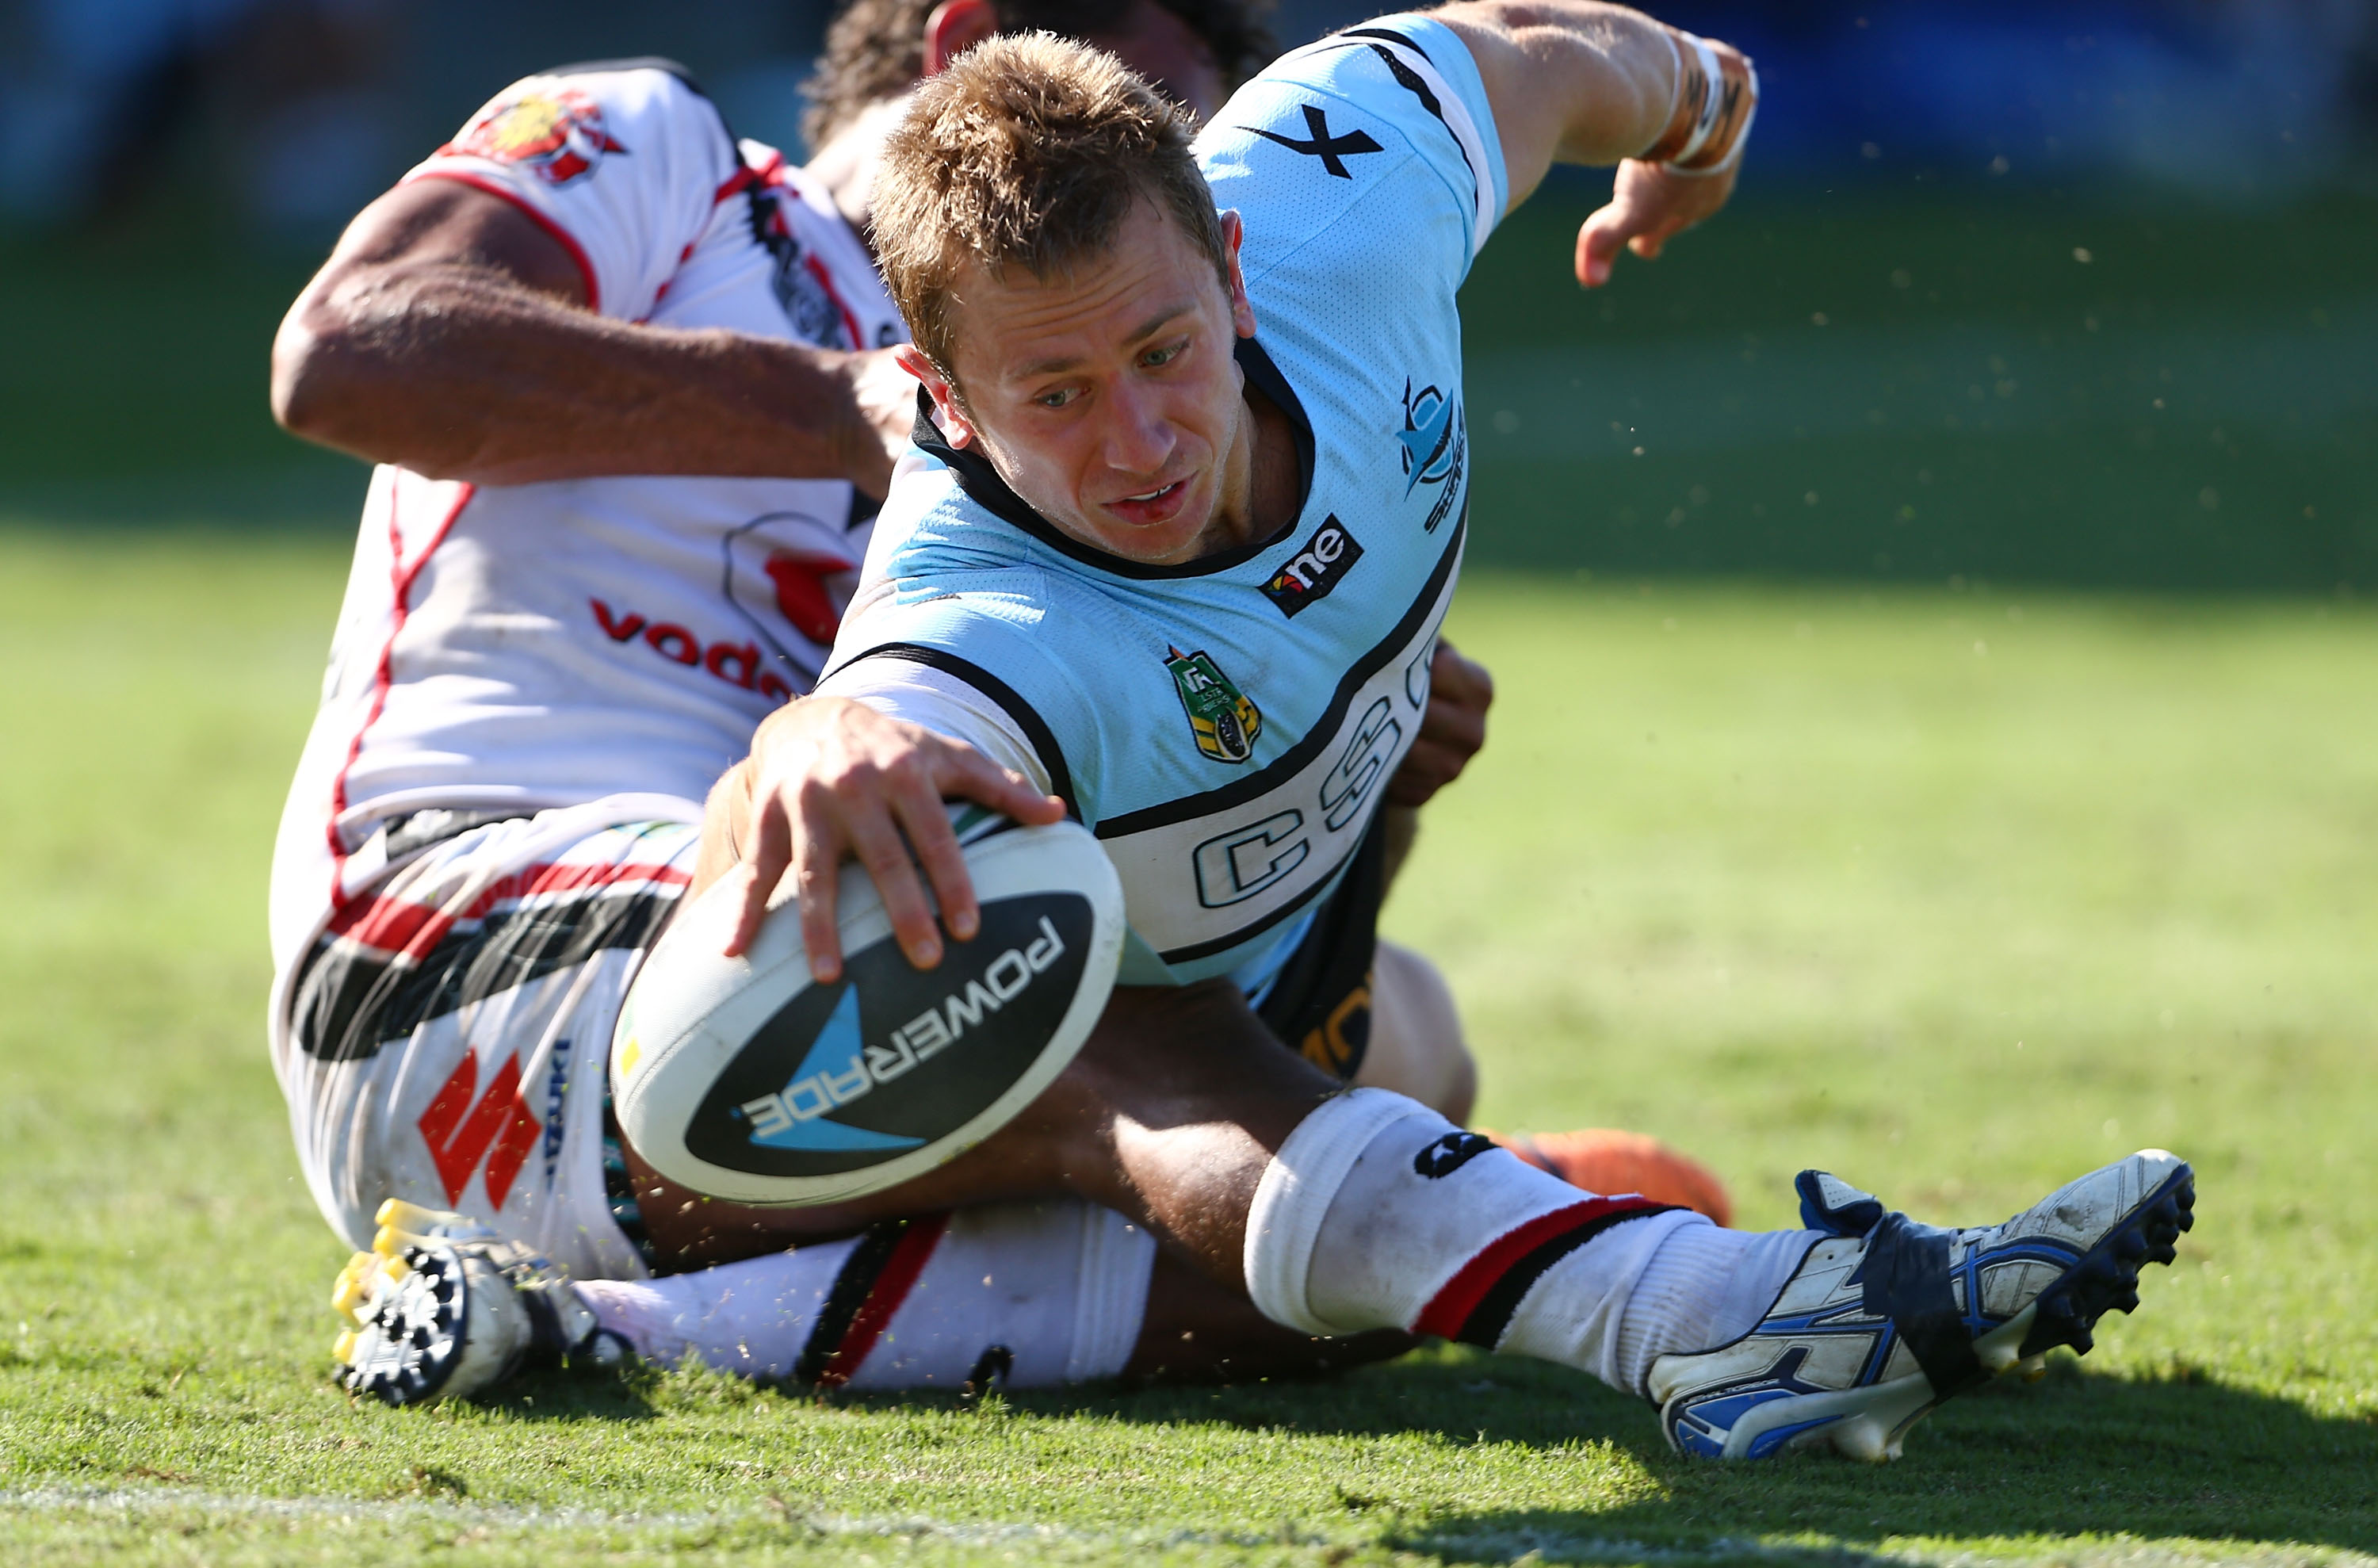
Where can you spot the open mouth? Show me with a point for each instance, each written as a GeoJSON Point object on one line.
{"type": "Point", "coordinates": [1152, 506]}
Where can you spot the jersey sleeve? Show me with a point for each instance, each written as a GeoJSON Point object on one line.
{"type": "Point", "coordinates": [1371, 148]}
{"type": "Point", "coordinates": [901, 686]}
{"type": "Point", "coordinates": [623, 164]}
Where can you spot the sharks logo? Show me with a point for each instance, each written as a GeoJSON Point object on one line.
{"type": "Point", "coordinates": [1433, 444]}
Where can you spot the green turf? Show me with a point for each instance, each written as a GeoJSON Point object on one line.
{"type": "Point", "coordinates": [2189, 408]}
{"type": "Point", "coordinates": [1953, 893]}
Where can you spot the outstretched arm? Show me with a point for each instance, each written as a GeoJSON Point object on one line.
{"type": "Point", "coordinates": [1574, 81]}
{"type": "Point", "coordinates": [449, 333]}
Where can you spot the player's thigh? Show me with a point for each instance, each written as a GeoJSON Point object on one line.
{"type": "Point", "coordinates": [1174, 1103]}
{"type": "Point", "coordinates": [449, 1037]}
{"type": "Point", "coordinates": [1416, 1045]}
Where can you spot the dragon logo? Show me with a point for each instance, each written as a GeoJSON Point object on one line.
{"type": "Point", "coordinates": [557, 131]}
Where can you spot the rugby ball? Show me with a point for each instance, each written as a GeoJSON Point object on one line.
{"type": "Point", "coordinates": [745, 1079]}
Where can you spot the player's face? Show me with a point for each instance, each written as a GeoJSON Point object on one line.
{"type": "Point", "coordinates": [1109, 400]}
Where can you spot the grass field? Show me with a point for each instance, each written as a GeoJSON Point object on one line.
{"type": "Point", "coordinates": [1954, 893]}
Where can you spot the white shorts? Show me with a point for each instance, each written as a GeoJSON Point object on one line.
{"type": "Point", "coordinates": [446, 1038]}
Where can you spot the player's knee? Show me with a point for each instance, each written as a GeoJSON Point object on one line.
{"type": "Point", "coordinates": [725, 826]}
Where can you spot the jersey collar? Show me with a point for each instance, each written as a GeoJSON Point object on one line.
{"type": "Point", "coordinates": [981, 481]}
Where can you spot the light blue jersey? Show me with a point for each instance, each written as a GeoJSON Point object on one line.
{"type": "Point", "coordinates": [1227, 727]}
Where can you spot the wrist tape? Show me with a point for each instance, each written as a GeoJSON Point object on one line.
{"type": "Point", "coordinates": [1717, 96]}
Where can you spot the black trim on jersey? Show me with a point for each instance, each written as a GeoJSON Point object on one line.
{"type": "Point", "coordinates": [1335, 959]}
{"type": "Point", "coordinates": [1011, 702]}
{"type": "Point", "coordinates": [1407, 79]}
{"type": "Point", "coordinates": [1288, 911]}
{"type": "Point", "coordinates": [981, 481]}
{"type": "Point", "coordinates": [1322, 733]}
{"type": "Point", "coordinates": [632, 63]}
{"type": "Point", "coordinates": [1393, 37]}
{"type": "Point", "coordinates": [349, 1004]}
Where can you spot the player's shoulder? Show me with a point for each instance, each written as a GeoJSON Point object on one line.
{"type": "Point", "coordinates": [1320, 131]}
{"type": "Point", "coordinates": [565, 121]}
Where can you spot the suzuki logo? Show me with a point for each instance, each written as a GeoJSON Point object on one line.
{"type": "Point", "coordinates": [497, 1127]}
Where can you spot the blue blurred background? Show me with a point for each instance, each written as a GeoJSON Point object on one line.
{"type": "Point", "coordinates": [2078, 293]}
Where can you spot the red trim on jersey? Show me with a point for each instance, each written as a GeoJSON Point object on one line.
{"type": "Point", "coordinates": [401, 580]}
{"type": "Point", "coordinates": [398, 925]}
{"type": "Point", "coordinates": [561, 235]}
{"type": "Point", "coordinates": [849, 322]}
{"type": "Point", "coordinates": [910, 1256]}
{"type": "Point", "coordinates": [1452, 1306]}
{"type": "Point", "coordinates": [769, 169]}
{"type": "Point", "coordinates": [743, 179]}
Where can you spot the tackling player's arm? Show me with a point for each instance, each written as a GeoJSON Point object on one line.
{"type": "Point", "coordinates": [1572, 82]}
{"type": "Point", "coordinates": [449, 333]}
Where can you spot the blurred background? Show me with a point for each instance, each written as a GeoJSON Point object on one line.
{"type": "Point", "coordinates": [1931, 742]}
{"type": "Point", "coordinates": [2017, 291]}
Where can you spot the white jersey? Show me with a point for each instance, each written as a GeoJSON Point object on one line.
{"type": "Point", "coordinates": [519, 648]}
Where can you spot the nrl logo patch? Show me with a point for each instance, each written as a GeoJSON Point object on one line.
{"type": "Point", "coordinates": [1222, 718]}
{"type": "Point", "coordinates": [1313, 571]}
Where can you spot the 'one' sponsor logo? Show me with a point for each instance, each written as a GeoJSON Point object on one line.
{"type": "Point", "coordinates": [1314, 571]}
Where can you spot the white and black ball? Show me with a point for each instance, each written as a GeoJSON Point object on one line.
{"type": "Point", "coordinates": [744, 1080]}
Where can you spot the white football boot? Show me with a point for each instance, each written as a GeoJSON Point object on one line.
{"type": "Point", "coordinates": [442, 1308]}
{"type": "Point", "coordinates": [1888, 1317]}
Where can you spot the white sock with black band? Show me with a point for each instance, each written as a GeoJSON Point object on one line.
{"type": "Point", "coordinates": [1378, 1212]}
{"type": "Point", "coordinates": [1043, 1294]}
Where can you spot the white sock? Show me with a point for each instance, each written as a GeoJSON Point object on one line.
{"type": "Point", "coordinates": [1378, 1212]}
{"type": "Point", "coordinates": [1704, 1286]}
{"type": "Point", "coordinates": [1060, 1288]}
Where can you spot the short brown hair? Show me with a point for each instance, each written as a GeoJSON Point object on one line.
{"type": "Point", "coordinates": [1028, 152]}
{"type": "Point", "coordinates": [876, 49]}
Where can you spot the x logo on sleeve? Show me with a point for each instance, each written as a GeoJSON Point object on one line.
{"type": "Point", "coordinates": [1333, 150]}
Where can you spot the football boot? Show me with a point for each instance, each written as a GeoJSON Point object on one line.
{"type": "Point", "coordinates": [442, 1308]}
{"type": "Point", "coordinates": [1886, 1318]}
{"type": "Point", "coordinates": [1602, 1159]}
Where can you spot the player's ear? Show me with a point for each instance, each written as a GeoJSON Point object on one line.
{"type": "Point", "coordinates": [948, 412]}
{"type": "Point", "coordinates": [954, 27]}
{"type": "Point", "coordinates": [1243, 311]}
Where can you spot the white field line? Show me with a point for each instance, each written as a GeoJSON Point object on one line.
{"type": "Point", "coordinates": [2110, 1552]}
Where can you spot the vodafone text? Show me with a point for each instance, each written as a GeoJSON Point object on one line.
{"type": "Point", "coordinates": [738, 664]}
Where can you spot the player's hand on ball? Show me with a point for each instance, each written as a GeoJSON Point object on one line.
{"type": "Point", "coordinates": [833, 778]}
{"type": "Point", "coordinates": [1649, 205]}
{"type": "Point", "coordinates": [1451, 730]}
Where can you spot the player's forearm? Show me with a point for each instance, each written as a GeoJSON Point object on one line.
{"type": "Point", "coordinates": [1575, 81]}
{"type": "Point", "coordinates": [458, 372]}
